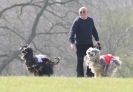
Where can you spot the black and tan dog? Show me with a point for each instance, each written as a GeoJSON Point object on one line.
{"type": "Point", "coordinates": [39, 65]}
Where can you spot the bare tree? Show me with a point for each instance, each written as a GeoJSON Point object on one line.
{"type": "Point", "coordinates": [40, 7]}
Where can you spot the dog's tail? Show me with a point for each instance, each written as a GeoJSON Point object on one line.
{"type": "Point", "coordinates": [56, 60]}
{"type": "Point", "coordinates": [114, 65]}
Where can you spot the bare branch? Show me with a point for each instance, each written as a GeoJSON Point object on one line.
{"type": "Point", "coordinates": [35, 24]}
{"type": "Point", "coordinates": [11, 57]}
{"type": "Point", "coordinates": [65, 2]}
{"type": "Point", "coordinates": [52, 27]}
{"type": "Point", "coordinates": [11, 30]}
{"type": "Point", "coordinates": [3, 55]}
{"type": "Point", "coordinates": [61, 17]}
{"type": "Point", "coordinates": [17, 5]}
{"type": "Point", "coordinates": [52, 33]}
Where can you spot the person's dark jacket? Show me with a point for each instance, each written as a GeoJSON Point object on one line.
{"type": "Point", "coordinates": [82, 31]}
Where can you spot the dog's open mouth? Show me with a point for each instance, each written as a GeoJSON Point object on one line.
{"type": "Point", "coordinates": [91, 54]}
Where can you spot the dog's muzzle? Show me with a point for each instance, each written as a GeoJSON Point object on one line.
{"type": "Point", "coordinates": [91, 54]}
{"type": "Point", "coordinates": [23, 51]}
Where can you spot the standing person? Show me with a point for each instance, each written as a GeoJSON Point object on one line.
{"type": "Point", "coordinates": [81, 33]}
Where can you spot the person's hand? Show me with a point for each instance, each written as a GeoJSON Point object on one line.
{"type": "Point", "coordinates": [72, 46]}
{"type": "Point", "coordinates": [98, 45]}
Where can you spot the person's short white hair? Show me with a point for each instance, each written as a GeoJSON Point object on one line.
{"type": "Point", "coordinates": [82, 8]}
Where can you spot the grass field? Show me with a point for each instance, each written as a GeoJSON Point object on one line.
{"type": "Point", "coordinates": [65, 84]}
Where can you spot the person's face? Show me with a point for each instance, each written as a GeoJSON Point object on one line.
{"type": "Point", "coordinates": [83, 13]}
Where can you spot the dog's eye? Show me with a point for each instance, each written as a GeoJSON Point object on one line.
{"type": "Point", "coordinates": [88, 52]}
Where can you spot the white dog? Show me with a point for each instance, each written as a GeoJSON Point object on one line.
{"type": "Point", "coordinates": [101, 65]}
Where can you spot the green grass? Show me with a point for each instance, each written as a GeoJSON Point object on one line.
{"type": "Point", "coordinates": [65, 84]}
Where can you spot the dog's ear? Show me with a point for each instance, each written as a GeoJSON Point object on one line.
{"type": "Point", "coordinates": [87, 52]}
{"type": "Point", "coordinates": [97, 51]}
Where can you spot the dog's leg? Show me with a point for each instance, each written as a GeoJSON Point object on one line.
{"type": "Point", "coordinates": [112, 69]}
{"type": "Point", "coordinates": [97, 75]}
{"type": "Point", "coordinates": [106, 69]}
